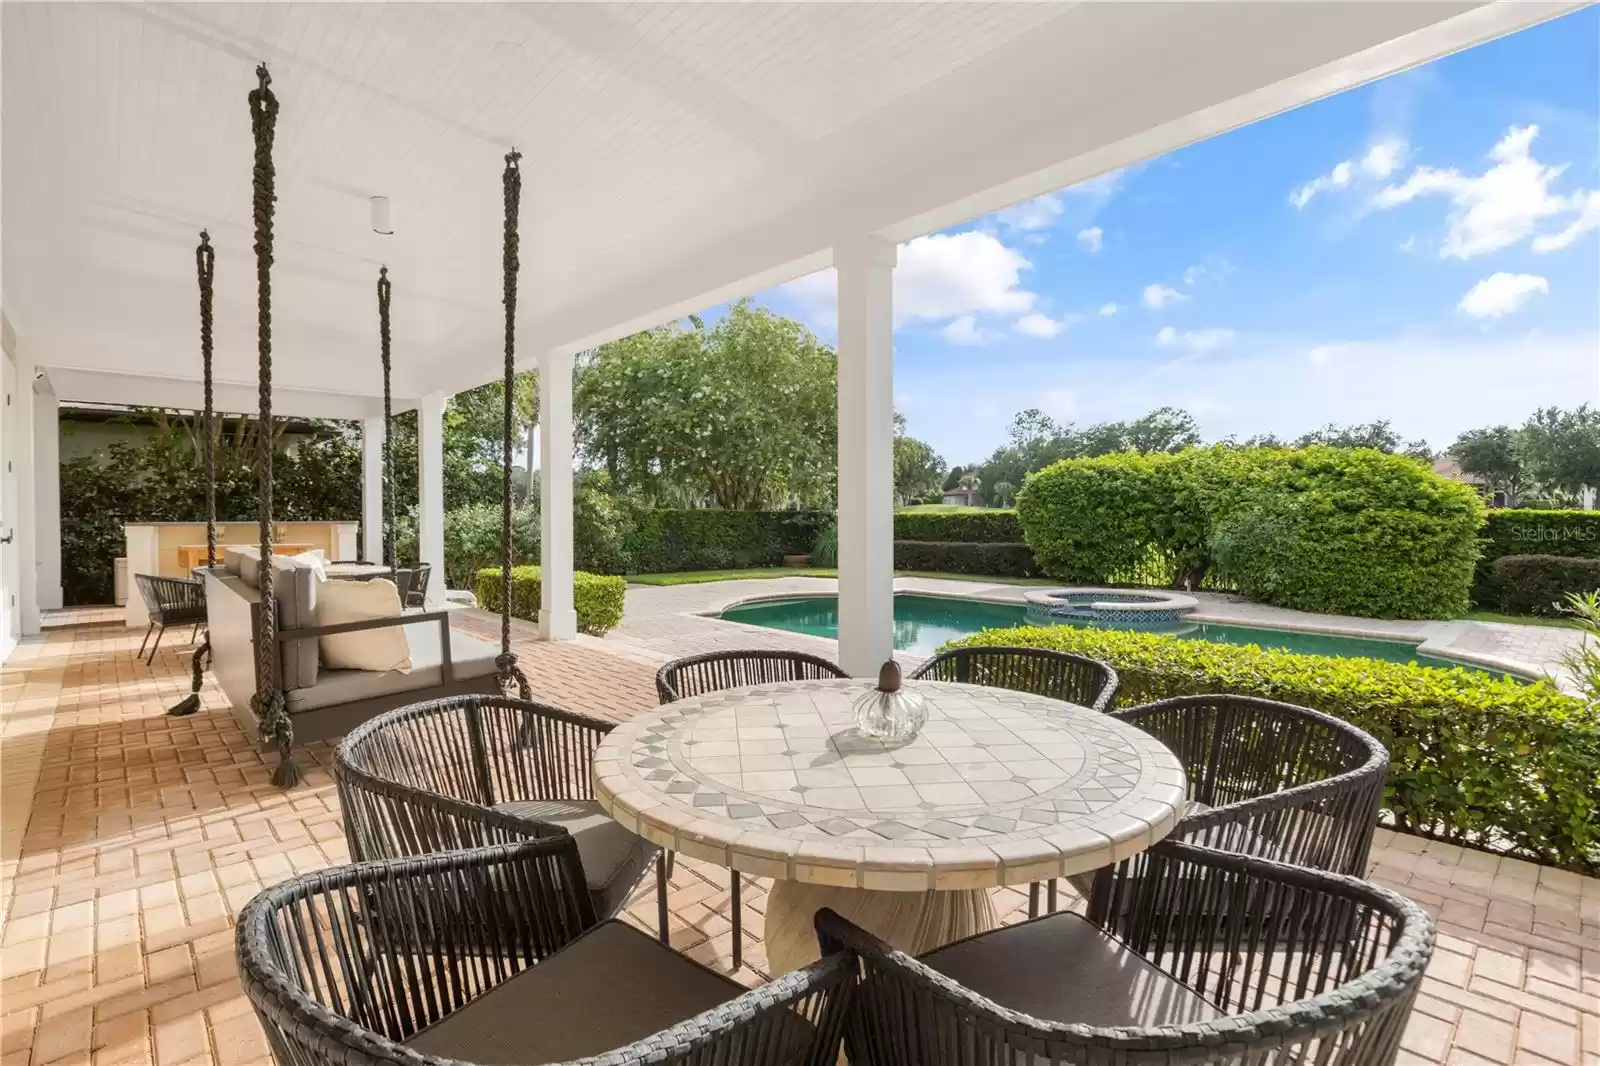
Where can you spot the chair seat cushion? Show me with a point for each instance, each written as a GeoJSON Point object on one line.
{"type": "Point", "coordinates": [1063, 969]}
{"type": "Point", "coordinates": [608, 988]}
{"type": "Point", "coordinates": [469, 658]}
{"type": "Point", "coordinates": [613, 858]}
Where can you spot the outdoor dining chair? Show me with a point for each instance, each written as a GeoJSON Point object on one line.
{"type": "Point", "coordinates": [715, 671]}
{"type": "Point", "coordinates": [1267, 779]}
{"type": "Point", "coordinates": [1057, 675]}
{"type": "Point", "coordinates": [477, 770]}
{"type": "Point", "coordinates": [493, 956]}
{"type": "Point", "coordinates": [170, 601]}
{"type": "Point", "coordinates": [1301, 966]}
{"type": "Point", "coordinates": [414, 592]}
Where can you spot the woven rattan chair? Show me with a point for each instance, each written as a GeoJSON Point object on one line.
{"type": "Point", "coordinates": [414, 593]}
{"type": "Point", "coordinates": [170, 601]}
{"type": "Point", "coordinates": [477, 770]}
{"type": "Point", "coordinates": [1303, 966]}
{"type": "Point", "coordinates": [1268, 779]}
{"type": "Point", "coordinates": [1057, 675]}
{"type": "Point", "coordinates": [492, 956]}
{"type": "Point", "coordinates": [718, 670]}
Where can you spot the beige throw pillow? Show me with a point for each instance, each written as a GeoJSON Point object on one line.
{"type": "Point", "coordinates": [371, 649]}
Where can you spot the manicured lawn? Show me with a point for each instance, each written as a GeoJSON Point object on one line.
{"type": "Point", "coordinates": [695, 577]}
{"type": "Point", "coordinates": [1522, 619]}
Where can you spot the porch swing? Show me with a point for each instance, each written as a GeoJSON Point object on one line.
{"type": "Point", "coordinates": [263, 635]}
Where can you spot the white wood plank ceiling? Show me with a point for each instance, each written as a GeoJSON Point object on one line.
{"type": "Point", "coordinates": [675, 153]}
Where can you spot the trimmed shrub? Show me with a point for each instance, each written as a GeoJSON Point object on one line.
{"type": "Point", "coordinates": [1090, 520]}
{"type": "Point", "coordinates": [1477, 759]}
{"type": "Point", "coordinates": [664, 541]}
{"type": "Point", "coordinates": [472, 540]}
{"type": "Point", "coordinates": [954, 557]}
{"type": "Point", "coordinates": [596, 597]}
{"type": "Point", "coordinates": [1525, 531]}
{"type": "Point", "coordinates": [968, 527]}
{"type": "Point", "coordinates": [1538, 584]}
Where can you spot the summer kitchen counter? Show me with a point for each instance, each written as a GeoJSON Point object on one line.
{"type": "Point", "coordinates": [157, 548]}
{"type": "Point", "coordinates": [999, 788]}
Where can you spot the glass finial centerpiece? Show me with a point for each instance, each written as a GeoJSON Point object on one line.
{"type": "Point", "coordinates": [891, 711]}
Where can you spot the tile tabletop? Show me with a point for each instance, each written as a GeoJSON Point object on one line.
{"type": "Point", "coordinates": [1000, 787]}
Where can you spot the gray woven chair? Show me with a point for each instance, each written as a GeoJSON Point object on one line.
{"type": "Point", "coordinates": [1057, 675]}
{"type": "Point", "coordinates": [719, 670]}
{"type": "Point", "coordinates": [493, 956]}
{"type": "Point", "coordinates": [1304, 967]}
{"type": "Point", "coordinates": [477, 770]}
{"type": "Point", "coordinates": [170, 601]}
{"type": "Point", "coordinates": [1267, 779]}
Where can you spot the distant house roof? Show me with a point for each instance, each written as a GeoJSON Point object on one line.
{"type": "Point", "coordinates": [1445, 466]}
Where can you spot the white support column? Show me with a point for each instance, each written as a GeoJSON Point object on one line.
{"type": "Point", "coordinates": [865, 270]}
{"type": "Point", "coordinates": [26, 532]}
{"type": "Point", "coordinates": [557, 619]}
{"type": "Point", "coordinates": [47, 493]}
{"type": "Point", "coordinates": [372, 490]}
{"type": "Point", "coordinates": [430, 477]}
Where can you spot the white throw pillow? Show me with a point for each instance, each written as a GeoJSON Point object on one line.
{"type": "Point", "coordinates": [314, 561]}
{"type": "Point", "coordinates": [371, 649]}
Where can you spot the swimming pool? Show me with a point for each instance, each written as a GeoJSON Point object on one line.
{"type": "Point", "coordinates": [923, 623]}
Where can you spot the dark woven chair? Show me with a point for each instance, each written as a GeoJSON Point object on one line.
{"type": "Point", "coordinates": [1058, 675]}
{"type": "Point", "coordinates": [414, 591]}
{"type": "Point", "coordinates": [477, 770]}
{"type": "Point", "coordinates": [170, 601]}
{"type": "Point", "coordinates": [718, 670]}
{"type": "Point", "coordinates": [492, 956]}
{"type": "Point", "coordinates": [1303, 967]}
{"type": "Point", "coordinates": [1267, 779]}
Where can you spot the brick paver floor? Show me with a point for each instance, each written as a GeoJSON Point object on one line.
{"type": "Point", "coordinates": [130, 840]}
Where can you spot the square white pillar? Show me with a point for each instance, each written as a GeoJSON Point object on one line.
{"type": "Point", "coordinates": [47, 493]}
{"type": "Point", "coordinates": [865, 270]}
{"type": "Point", "coordinates": [430, 503]}
{"type": "Point", "coordinates": [23, 525]}
{"type": "Point", "coordinates": [372, 490]}
{"type": "Point", "coordinates": [557, 619]}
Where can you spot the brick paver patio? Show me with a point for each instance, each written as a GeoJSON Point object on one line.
{"type": "Point", "coordinates": [128, 840]}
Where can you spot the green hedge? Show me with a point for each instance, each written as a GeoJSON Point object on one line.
{"type": "Point", "coordinates": [1521, 531]}
{"type": "Point", "coordinates": [1477, 759]}
{"type": "Point", "coordinates": [954, 557]}
{"type": "Point", "coordinates": [1344, 530]}
{"type": "Point", "coordinates": [596, 597]}
{"type": "Point", "coordinates": [968, 527]}
{"type": "Point", "coordinates": [1539, 584]}
{"type": "Point", "coordinates": [666, 541]}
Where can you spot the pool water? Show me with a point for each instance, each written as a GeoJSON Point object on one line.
{"type": "Point", "coordinates": [922, 624]}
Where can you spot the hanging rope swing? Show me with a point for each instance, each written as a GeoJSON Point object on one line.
{"type": "Point", "coordinates": [387, 549]}
{"type": "Point", "coordinates": [205, 260]}
{"type": "Point", "coordinates": [511, 182]}
{"type": "Point", "coordinates": [268, 703]}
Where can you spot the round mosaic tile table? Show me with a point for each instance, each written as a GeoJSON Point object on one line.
{"type": "Point", "coordinates": [999, 788]}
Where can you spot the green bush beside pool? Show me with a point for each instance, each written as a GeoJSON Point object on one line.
{"type": "Point", "coordinates": [597, 598]}
{"type": "Point", "coordinates": [1477, 759]}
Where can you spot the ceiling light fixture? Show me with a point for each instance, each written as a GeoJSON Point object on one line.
{"type": "Point", "coordinates": [380, 216]}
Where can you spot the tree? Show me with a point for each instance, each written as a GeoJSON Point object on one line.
{"type": "Point", "coordinates": [1379, 435]}
{"type": "Point", "coordinates": [1491, 456]}
{"type": "Point", "coordinates": [953, 478]}
{"type": "Point", "coordinates": [1005, 492]}
{"type": "Point", "coordinates": [1561, 449]}
{"type": "Point", "coordinates": [918, 470]}
{"type": "Point", "coordinates": [742, 412]}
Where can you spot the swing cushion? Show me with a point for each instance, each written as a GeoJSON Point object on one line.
{"type": "Point", "coordinates": [371, 649]}
{"type": "Point", "coordinates": [294, 586]}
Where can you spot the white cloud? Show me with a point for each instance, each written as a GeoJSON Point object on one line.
{"type": "Point", "coordinates": [1409, 244]}
{"type": "Point", "coordinates": [966, 332]}
{"type": "Point", "coordinates": [1196, 340]}
{"type": "Point", "coordinates": [1500, 294]}
{"type": "Point", "coordinates": [1383, 158]}
{"type": "Point", "coordinates": [1091, 238]}
{"type": "Point", "coordinates": [1037, 213]}
{"type": "Point", "coordinates": [1500, 207]}
{"type": "Point", "coordinates": [1588, 219]}
{"type": "Point", "coordinates": [1337, 178]}
{"type": "Point", "coordinates": [1107, 310]}
{"type": "Point", "coordinates": [1037, 325]}
{"type": "Point", "coordinates": [1158, 296]}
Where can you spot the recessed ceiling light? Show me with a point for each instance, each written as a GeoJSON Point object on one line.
{"type": "Point", "coordinates": [380, 216]}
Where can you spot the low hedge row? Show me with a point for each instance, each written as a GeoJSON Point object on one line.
{"type": "Point", "coordinates": [1524, 531]}
{"type": "Point", "coordinates": [1476, 759]}
{"type": "Point", "coordinates": [597, 598]}
{"type": "Point", "coordinates": [1539, 584]}
{"type": "Point", "coordinates": [665, 541]}
{"type": "Point", "coordinates": [954, 557]}
{"type": "Point", "coordinates": [968, 527]}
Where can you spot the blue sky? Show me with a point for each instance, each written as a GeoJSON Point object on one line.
{"type": "Point", "coordinates": [1425, 249]}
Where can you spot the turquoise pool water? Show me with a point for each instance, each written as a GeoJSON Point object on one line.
{"type": "Point", "coordinates": [923, 623]}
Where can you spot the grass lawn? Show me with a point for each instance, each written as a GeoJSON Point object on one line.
{"type": "Point", "coordinates": [1522, 619]}
{"type": "Point", "coordinates": [943, 508]}
{"type": "Point", "coordinates": [695, 577]}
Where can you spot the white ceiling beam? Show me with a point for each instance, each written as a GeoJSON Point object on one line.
{"type": "Point", "coordinates": [230, 397]}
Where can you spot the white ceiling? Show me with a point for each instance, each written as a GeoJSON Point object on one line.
{"type": "Point", "coordinates": [676, 154]}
